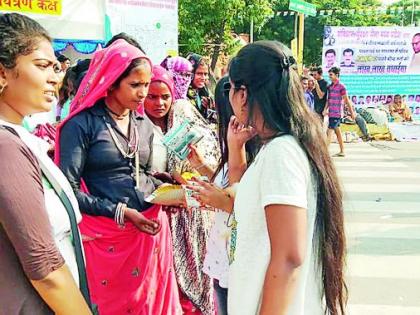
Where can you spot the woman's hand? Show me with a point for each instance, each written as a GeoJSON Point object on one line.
{"type": "Point", "coordinates": [211, 195]}
{"type": "Point", "coordinates": [198, 163]}
{"type": "Point", "coordinates": [178, 178]}
{"type": "Point", "coordinates": [61, 293]}
{"type": "Point", "coordinates": [195, 158]}
{"type": "Point", "coordinates": [207, 102]}
{"type": "Point", "coordinates": [164, 177]}
{"type": "Point", "coordinates": [238, 134]}
{"type": "Point", "coordinates": [144, 224]}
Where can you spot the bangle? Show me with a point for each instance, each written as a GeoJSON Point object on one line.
{"type": "Point", "coordinates": [120, 213]}
{"type": "Point", "coordinates": [200, 166]}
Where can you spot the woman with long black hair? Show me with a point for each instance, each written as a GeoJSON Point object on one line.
{"type": "Point", "coordinates": [288, 240]}
{"type": "Point", "coordinates": [237, 145]}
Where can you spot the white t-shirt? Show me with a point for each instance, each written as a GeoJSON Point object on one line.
{"type": "Point", "coordinates": [280, 174]}
{"type": "Point", "coordinates": [216, 262]}
{"type": "Point", "coordinates": [160, 153]}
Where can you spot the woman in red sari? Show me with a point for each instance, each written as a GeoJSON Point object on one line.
{"type": "Point", "coordinates": [105, 149]}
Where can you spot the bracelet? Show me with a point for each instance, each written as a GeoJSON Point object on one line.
{"type": "Point", "coordinates": [119, 213]}
{"type": "Point", "coordinates": [200, 166]}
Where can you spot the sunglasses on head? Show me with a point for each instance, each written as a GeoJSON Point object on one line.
{"type": "Point", "coordinates": [226, 88]}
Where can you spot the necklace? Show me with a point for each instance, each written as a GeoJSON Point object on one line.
{"type": "Point", "coordinates": [133, 143]}
{"type": "Point", "coordinates": [118, 117]}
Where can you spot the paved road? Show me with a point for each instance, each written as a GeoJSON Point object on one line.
{"type": "Point", "coordinates": [381, 181]}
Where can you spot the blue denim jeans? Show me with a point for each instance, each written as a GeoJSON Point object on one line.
{"type": "Point", "coordinates": [221, 298]}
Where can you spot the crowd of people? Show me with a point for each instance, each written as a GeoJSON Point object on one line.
{"type": "Point", "coordinates": [332, 102]}
{"type": "Point", "coordinates": [77, 233]}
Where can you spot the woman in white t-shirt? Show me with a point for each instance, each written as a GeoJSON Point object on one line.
{"type": "Point", "coordinates": [216, 262]}
{"type": "Point", "coordinates": [287, 243]}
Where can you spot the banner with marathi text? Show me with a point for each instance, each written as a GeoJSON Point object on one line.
{"type": "Point", "coordinates": [376, 63]}
{"type": "Point", "coordinates": [47, 7]}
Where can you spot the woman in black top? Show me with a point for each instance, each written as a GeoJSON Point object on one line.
{"type": "Point", "coordinates": [105, 150]}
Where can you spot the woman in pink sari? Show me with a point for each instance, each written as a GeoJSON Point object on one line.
{"type": "Point", "coordinates": [105, 149]}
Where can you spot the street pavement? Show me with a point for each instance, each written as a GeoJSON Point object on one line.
{"type": "Point", "coordinates": [381, 183]}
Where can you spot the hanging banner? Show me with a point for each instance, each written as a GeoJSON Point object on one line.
{"type": "Point", "coordinates": [47, 7]}
{"type": "Point", "coordinates": [153, 23]}
{"type": "Point", "coordinates": [376, 63]}
{"type": "Point", "coordinates": [73, 20]}
{"type": "Point", "coordinates": [372, 50]}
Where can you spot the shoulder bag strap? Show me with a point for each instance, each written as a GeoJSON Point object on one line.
{"type": "Point", "coordinates": [84, 288]}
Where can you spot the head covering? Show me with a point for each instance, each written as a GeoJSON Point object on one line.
{"type": "Point", "coordinates": [195, 60]}
{"type": "Point", "coordinates": [201, 98]}
{"type": "Point", "coordinates": [105, 68]}
{"type": "Point", "coordinates": [181, 71]}
{"type": "Point", "coordinates": [161, 75]}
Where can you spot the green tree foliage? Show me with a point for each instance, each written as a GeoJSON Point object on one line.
{"type": "Point", "coordinates": [404, 18]}
{"type": "Point", "coordinates": [206, 26]}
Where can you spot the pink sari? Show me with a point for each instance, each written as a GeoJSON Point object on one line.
{"type": "Point", "coordinates": [129, 272]}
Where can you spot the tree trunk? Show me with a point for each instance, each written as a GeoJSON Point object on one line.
{"type": "Point", "coordinates": [217, 47]}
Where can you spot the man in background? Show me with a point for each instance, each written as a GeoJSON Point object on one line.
{"type": "Point", "coordinates": [309, 97]}
{"type": "Point", "coordinates": [337, 97]}
{"type": "Point", "coordinates": [414, 66]}
{"type": "Point", "coordinates": [320, 91]}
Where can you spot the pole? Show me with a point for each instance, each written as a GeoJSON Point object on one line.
{"type": "Point", "coordinates": [251, 31]}
{"type": "Point", "coordinates": [412, 13]}
{"type": "Point", "coordinates": [300, 41]}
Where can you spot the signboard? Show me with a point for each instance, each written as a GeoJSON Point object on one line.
{"type": "Point", "coordinates": [302, 7]}
{"type": "Point", "coordinates": [48, 7]}
{"type": "Point", "coordinates": [153, 23]}
{"type": "Point", "coordinates": [376, 63]}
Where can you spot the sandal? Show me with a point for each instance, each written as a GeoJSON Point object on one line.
{"type": "Point", "coordinates": [341, 154]}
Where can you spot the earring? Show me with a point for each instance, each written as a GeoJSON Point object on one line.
{"type": "Point", "coordinates": [2, 89]}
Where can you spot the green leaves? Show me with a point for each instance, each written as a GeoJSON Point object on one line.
{"type": "Point", "coordinates": [206, 26]}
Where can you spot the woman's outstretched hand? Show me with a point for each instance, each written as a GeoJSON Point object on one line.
{"type": "Point", "coordinates": [211, 195]}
